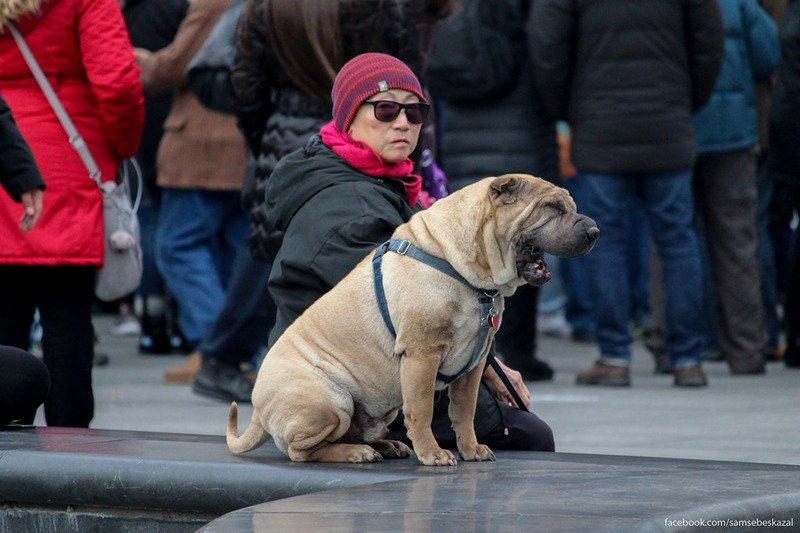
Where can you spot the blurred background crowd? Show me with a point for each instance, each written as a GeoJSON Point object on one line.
{"type": "Point", "coordinates": [675, 125]}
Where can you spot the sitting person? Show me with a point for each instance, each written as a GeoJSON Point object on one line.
{"type": "Point", "coordinates": [24, 384]}
{"type": "Point", "coordinates": [343, 194]}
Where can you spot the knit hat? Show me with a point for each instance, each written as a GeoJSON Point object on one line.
{"type": "Point", "coordinates": [367, 75]}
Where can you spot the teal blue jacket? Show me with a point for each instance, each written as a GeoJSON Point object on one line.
{"type": "Point", "coordinates": [728, 121]}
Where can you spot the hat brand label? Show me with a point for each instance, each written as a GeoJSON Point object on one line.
{"type": "Point", "coordinates": [383, 86]}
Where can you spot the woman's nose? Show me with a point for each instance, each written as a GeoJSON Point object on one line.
{"type": "Point", "coordinates": [401, 121]}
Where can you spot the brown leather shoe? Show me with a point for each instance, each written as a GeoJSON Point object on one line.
{"type": "Point", "coordinates": [692, 376]}
{"type": "Point", "coordinates": [605, 374]}
{"type": "Point", "coordinates": [186, 372]}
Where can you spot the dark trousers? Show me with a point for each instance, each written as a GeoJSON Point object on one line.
{"type": "Point", "coordinates": [497, 425]}
{"type": "Point", "coordinates": [725, 191]}
{"type": "Point", "coordinates": [248, 314]}
{"type": "Point", "coordinates": [792, 305]}
{"type": "Point", "coordinates": [516, 339]}
{"type": "Point", "coordinates": [64, 298]}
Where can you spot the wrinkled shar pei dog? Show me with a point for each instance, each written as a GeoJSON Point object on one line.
{"type": "Point", "coordinates": [416, 316]}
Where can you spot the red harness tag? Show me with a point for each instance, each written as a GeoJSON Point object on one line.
{"type": "Point", "coordinates": [494, 322]}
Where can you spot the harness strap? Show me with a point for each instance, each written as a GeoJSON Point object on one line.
{"type": "Point", "coordinates": [404, 247]}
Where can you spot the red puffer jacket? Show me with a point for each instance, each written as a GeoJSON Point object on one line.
{"type": "Point", "coordinates": [83, 48]}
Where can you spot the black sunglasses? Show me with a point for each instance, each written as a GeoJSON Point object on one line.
{"type": "Point", "coordinates": [388, 111]}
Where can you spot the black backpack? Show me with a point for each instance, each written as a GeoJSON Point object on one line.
{"type": "Point", "coordinates": [477, 52]}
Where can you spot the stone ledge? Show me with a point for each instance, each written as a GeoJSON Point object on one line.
{"type": "Point", "coordinates": [54, 478]}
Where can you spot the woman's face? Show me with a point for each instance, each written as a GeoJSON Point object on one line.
{"type": "Point", "coordinates": [392, 141]}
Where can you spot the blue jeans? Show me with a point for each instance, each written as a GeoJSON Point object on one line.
{"type": "Point", "coordinates": [575, 275]}
{"type": "Point", "coordinates": [199, 233]}
{"type": "Point", "coordinates": [667, 199]}
{"type": "Point", "coordinates": [242, 328]}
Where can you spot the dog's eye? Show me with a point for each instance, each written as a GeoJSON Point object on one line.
{"type": "Point", "coordinates": [559, 208]}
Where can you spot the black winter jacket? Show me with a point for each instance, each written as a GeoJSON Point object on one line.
{"type": "Point", "coordinates": [277, 117]}
{"type": "Point", "coordinates": [152, 25]}
{"type": "Point", "coordinates": [784, 124]}
{"type": "Point", "coordinates": [510, 134]}
{"type": "Point", "coordinates": [627, 75]}
{"type": "Point", "coordinates": [18, 170]}
{"type": "Point", "coordinates": [332, 216]}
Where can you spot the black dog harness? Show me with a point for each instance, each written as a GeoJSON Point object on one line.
{"type": "Point", "coordinates": [488, 313]}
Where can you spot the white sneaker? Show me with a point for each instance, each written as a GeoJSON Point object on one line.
{"type": "Point", "coordinates": [553, 324]}
{"type": "Point", "coordinates": [126, 326]}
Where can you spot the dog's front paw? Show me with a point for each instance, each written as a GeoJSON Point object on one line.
{"type": "Point", "coordinates": [437, 457]}
{"type": "Point", "coordinates": [477, 452]}
{"type": "Point", "coordinates": [364, 454]}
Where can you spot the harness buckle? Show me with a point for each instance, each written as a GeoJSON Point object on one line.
{"type": "Point", "coordinates": [403, 247]}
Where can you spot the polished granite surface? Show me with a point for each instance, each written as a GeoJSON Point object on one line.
{"type": "Point", "coordinates": [519, 492]}
{"type": "Point", "coordinates": [540, 492]}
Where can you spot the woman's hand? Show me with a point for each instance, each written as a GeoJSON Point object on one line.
{"type": "Point", "coordinates": [32, 203]}
{"type": "Point", "coordinates": [498, 389]}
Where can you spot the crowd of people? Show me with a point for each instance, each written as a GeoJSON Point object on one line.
{"type": "Point", "coordinates": [261, 129]}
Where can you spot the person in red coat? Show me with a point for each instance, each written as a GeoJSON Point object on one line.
{"type": "Point", "coordinates": [84, 50]}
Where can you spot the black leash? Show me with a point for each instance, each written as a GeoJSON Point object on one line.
{"type": "Point", "coordinates": [504, 378]}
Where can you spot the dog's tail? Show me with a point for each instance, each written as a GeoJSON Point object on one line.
{"type": "Point", "coordinates": [254, 436]}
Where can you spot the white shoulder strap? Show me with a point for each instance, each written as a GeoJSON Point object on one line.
{"type": "Point", "coordinates": [75, 139]}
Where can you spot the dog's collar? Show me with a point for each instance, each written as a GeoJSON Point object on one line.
{"type": "Point", "coordinates": [488, 312]}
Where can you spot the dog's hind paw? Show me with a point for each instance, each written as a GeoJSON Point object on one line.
{"type": "Point", "coordinates": [478, 452]}
{"type": "Point", "coordinates": [391, 449]}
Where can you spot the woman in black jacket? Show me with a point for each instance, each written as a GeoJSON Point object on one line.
{"type": "Point", "coordinates": [343, 194]}
{"type": "Point", "coordinates": [784, 159]}
{"type": "Point", "coordinates": [283, 96]}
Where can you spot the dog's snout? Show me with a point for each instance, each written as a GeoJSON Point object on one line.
{"type": "Point", "coordinates": [592, 231]}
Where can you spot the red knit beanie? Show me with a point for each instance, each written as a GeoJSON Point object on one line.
{"type": "Point", "coordinates": [367, 75]}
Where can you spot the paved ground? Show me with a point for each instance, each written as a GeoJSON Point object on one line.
{"type": "Point", "coordinates": [753, 419]}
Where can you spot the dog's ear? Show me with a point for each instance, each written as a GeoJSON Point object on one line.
{"type": "Point", "coordinates": [506, 187]}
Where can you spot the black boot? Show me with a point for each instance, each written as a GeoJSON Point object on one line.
{"type": "Point", "coordinates": [222, 381]}
{"type": "Point", "coordinates": [154, 339]}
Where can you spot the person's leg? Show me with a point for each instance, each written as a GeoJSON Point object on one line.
{"type": "Point", "coordinates": [155, 338]}
{"type": "Point", "coordinates": [516, 339]}
{"type": "Point", "coordinates": [19, 290]}
{"type": "Point", "coordinates": [24, 384]}
{"type": "Point", "coordinates": [575, 273]}
{"type": "Point", "coordinates": [233, 236]}
{"type": "Point", "coordinates": [243, 325]}
{"type": "Point", "coordinates": [497, 425]}
{"type": "Point", "coordinates": [668, 199]}
{"type": "Point", "coordinates": [792, 305]}
{"type": "Point", "coordinates": [187, 244]}
{"type": "Point", "coordinates": [607, 200]}
{"type": "Point", "coordinates": [68, 343]}
{"type": "Point", "coordinates": [639, 261]}
{"type": "Point", "coordinates": [521, 430]}
{"type": "Point", "coordinates": [240, 331]}
{"type": "Point", "coordinates": [766, 258]}
{"type": "Point", "coordinates": [655, 335]}
{"type": "Point", "coordinates": [727, 184]}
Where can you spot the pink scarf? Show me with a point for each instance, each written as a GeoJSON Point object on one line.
{"type": "Point", "coordinates": [362, 158]}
